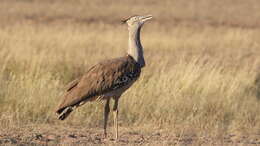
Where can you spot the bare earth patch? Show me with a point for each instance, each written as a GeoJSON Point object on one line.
{"type": "Point", "coordinates": [61, 135]}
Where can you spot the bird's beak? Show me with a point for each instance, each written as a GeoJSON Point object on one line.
{"type": "Point", "coordinates": [147, 17]}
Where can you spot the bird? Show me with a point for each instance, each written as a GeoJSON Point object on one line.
{"type": "Point", "coordinates": [108, 79]}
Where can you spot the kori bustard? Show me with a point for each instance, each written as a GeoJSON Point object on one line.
{"type": "Point", "coordinates": [108, 79]}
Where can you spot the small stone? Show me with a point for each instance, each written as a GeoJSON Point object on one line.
{"type": "Point", "coordinates": [50, 137]}
{"type": "Point", "coordinates": [72, 136]}
{"type": "Point", "coordinates": [37, 136]}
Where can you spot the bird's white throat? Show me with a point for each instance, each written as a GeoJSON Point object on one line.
{"type": "Point", "coordinates": [135, 47]}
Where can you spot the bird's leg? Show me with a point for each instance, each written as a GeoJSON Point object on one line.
{"type": "Point", "coordinates": [106, 113]}
{"type": "Point", "coordinates": [115, 112]}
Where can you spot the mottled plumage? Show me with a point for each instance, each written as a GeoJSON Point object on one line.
{"type": "Point", "coordinates": [105, 77]}
{"type": "Point", "coordinates": [108, 79]}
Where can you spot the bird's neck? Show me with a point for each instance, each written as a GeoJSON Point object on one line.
{"type": "Point", "coordinates": [135, 47]}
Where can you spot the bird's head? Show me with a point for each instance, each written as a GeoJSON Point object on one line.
{"type": "Point", "coordinates": [136, 21]}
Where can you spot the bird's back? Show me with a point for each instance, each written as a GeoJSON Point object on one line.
{"type": "Point", "coordinates": [104, 78]}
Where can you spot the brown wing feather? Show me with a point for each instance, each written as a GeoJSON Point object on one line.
{"type": "Point", "coordinates": [100, 79]}
{"type": "Point", "coordinates": [72, 84]}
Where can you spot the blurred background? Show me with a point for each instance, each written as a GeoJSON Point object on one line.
{"type": "Point", "coordinates": [202, 61]}
{"type": "Point", "coordinates": [236, 13]}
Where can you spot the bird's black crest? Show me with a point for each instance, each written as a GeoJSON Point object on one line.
{"type": "Point", "coordinates": [126, 19]}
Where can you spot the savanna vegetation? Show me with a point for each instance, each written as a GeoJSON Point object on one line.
{"type": "Point", "coordinates": [202, 60]}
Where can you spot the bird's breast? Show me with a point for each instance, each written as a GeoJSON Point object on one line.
{"type": "Point", "coordinates": [116, 92]}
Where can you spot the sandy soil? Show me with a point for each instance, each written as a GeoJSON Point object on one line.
{"type": "Point", "coordinates": [61, 135]}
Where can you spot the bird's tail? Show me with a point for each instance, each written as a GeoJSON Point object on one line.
{"type": "Point", "coordinates": [64, 113]}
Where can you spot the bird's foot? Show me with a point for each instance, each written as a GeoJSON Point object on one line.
{"type": "Point", "coordinates": [105, 135]}
{"type": "Point", "coordinates": [113, 139]}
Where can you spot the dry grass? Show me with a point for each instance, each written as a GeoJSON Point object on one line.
{"type": "Point", "coordinates": [202, 61]}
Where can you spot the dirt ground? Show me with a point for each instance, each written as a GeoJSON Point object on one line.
{"type": "Point", "coordinates": [61, 135]}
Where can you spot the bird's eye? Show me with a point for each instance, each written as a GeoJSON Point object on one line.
{"type": "Point", "coordinates": [124, 79]}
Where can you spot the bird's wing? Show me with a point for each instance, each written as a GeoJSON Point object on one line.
{"type": "Point", "coordinates": [100, 79]}
{"type": "Point", "coordinates": [72, 84]}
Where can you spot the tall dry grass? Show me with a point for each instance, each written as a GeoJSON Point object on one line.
{"type": "Point", "coordinates": [200, 73]}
